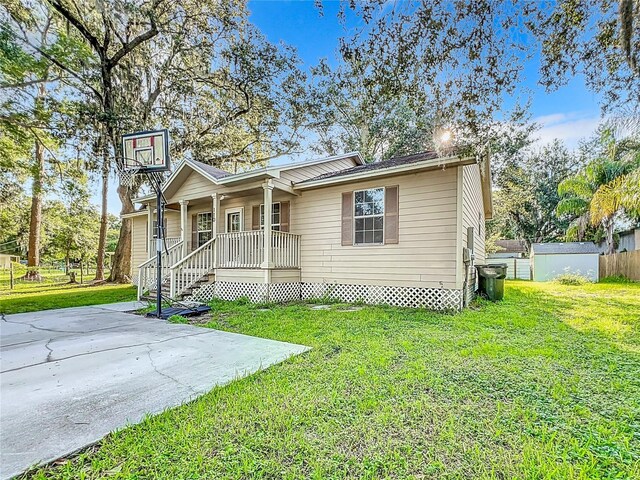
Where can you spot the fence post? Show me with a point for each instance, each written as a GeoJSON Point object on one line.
{"type": "Point", "coordinates": [11, 275]}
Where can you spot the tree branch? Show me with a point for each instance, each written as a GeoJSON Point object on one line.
{"type": "Point", "coordinates": [29, 83]}
{"type": "Point", "coordinates": [77, 23]}
{"type": "Point", "coordinates": [133, 44]}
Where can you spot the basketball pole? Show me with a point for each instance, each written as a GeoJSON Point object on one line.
{"type": "Point", "coordinates": [159, 244]}
{"type": "Point", "coordinates": [147, 163]}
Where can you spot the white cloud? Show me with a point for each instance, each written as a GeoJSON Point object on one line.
{"type": "Point", "coordinates": [570, 127]}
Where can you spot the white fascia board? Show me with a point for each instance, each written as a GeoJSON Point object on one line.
{"type": "Point", "coordinates": [383, 172]}
{"type": "Point", "coordinates": [137, 213]}
{"type": "Point", "coordinates": [144, 198]}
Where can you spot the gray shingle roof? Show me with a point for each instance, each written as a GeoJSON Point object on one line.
{"type": "Point", "coordinates": [567, 247]}
{"type": "Point", "coordinates": [213, 171]}
{"type": "Point", "coordinates": [392, 162]}
{"type": "Point", "coordinates": [511, 246]}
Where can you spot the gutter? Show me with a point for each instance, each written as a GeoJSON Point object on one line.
{"type": "Point", "coordinates": [137, 213]}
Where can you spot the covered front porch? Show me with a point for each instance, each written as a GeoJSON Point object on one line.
{"type": "Point", "coordinates": [244, 228]}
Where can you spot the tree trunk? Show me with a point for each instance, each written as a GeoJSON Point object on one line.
{"type": "Point", "coordinates": [121, 262]}
{"type": "Point", "coordinates": [35, 222]}
{"type": "Point", "coordinates": [608, 228]}
{"type": "Point", "coordinates": [102, 239]}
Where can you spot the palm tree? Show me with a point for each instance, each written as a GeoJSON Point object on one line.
{"type": "Point", "coordinates": [595, 195]}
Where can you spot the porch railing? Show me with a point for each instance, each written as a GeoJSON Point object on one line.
{"type": "Point", "coordinates": [187, 271]}
{"type": "Point", "coordinates": [240, 249]}
{"type": "Point", "coordinates": [285, 250]}
{"type": "Point", "coordinates": [169, 241]}
{"type": "Point", "coordinates": [147, 270]}
{"type": "Point", "coordinates": [246, 249]}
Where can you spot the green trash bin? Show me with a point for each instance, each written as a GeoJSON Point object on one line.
{"type": "Point", "coordinates": [491, 280]}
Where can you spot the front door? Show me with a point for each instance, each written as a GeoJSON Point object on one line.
{"type": "Point", "coordinates": [234, 220]}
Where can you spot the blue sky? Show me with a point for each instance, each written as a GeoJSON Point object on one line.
{"type": "Point", "coordinates": [569, 114]}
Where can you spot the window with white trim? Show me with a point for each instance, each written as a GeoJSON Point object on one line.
{"type": "Point", "coordinates": [204, 227]}
{"type": "Point", "coordinates": [275, 216]}
{"type": "Point", "coordinates": [164, 228]}
{"type": "Point", "coordinates": [368, 216]}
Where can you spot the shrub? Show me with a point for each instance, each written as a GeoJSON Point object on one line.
{"type": "Point", "coordinates": [572, 279]}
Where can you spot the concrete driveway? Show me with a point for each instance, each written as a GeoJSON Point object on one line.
{"type": "Point", "coordinates": [71, 376]}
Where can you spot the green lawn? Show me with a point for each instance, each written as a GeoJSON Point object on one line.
{"type": "Point", "coordinates": [544, 385]}
{"type": "Point", "coordinates": [61, 296]}
{"type": "Point", "coordinates": [51, 278]}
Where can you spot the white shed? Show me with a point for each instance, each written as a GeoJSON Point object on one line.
{"type": "Point", "coordinates": [548, 260]}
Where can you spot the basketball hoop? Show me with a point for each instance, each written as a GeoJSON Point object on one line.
{"type": "Point", "coordinates": [148, 153]}
{"type": "Point", "coordinates": [128, 177]}
{"type": "Point", "coordinates": [144, 153]}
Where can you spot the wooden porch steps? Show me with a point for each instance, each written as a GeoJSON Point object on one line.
{"type": "Point", "coordinates": [207, 278]}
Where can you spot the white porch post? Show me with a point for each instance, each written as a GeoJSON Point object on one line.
{"type": "Point", "coordinates": [268, 202]}
{"type": "Point", "coordinates": [215, 208]}
{"type": "Point", "coordinates": [183, 225]}
{"type": "Point", "coordinates": [150, 251]}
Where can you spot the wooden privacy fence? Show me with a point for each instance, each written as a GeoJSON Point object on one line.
{"type": "Point", "coordinates": [626, 264]}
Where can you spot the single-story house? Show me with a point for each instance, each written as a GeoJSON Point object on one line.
{"type": "Point", "coordinates": [509, 249]}
{"type": "Point", "coordinates": [6, 259]}
{"type": "Point", "coordinates": [549, 260]}
{"type": "Point", "coordinates": [404, 231]}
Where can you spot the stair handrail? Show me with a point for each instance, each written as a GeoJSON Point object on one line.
{"type": "Point", "coordinates": [151, 263]}
{"type": "Point", "coordinates": [174, 289]}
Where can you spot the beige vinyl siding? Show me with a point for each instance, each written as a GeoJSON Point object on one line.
{"type": "Point", "coordinates": [138, 242]}
{"type": "Point", "coordinates": [425, 255]}
{"type": "Point", "coordinates": [195, 186]}
{"type": "Point", "coordinates": [285, 276]}
{"type": "Point", "coordinates": [473, 210]}
{"type": "Point", "coordinates": [242, 275]}
{"type": "Point", "coordinates": [305, 172]}
{"type": "Point", "coordinates": [256, 275]}
{"type": "Point", "coordinates": [173, 223]}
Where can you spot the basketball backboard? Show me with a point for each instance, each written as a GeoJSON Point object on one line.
{"type": "Point", "coordinates": [146, 151]}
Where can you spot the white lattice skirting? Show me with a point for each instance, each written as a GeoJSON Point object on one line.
{"type": "Point", "coordinates": [415, 297]}
{"type": "Point", "coordinates": [256, 292]}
